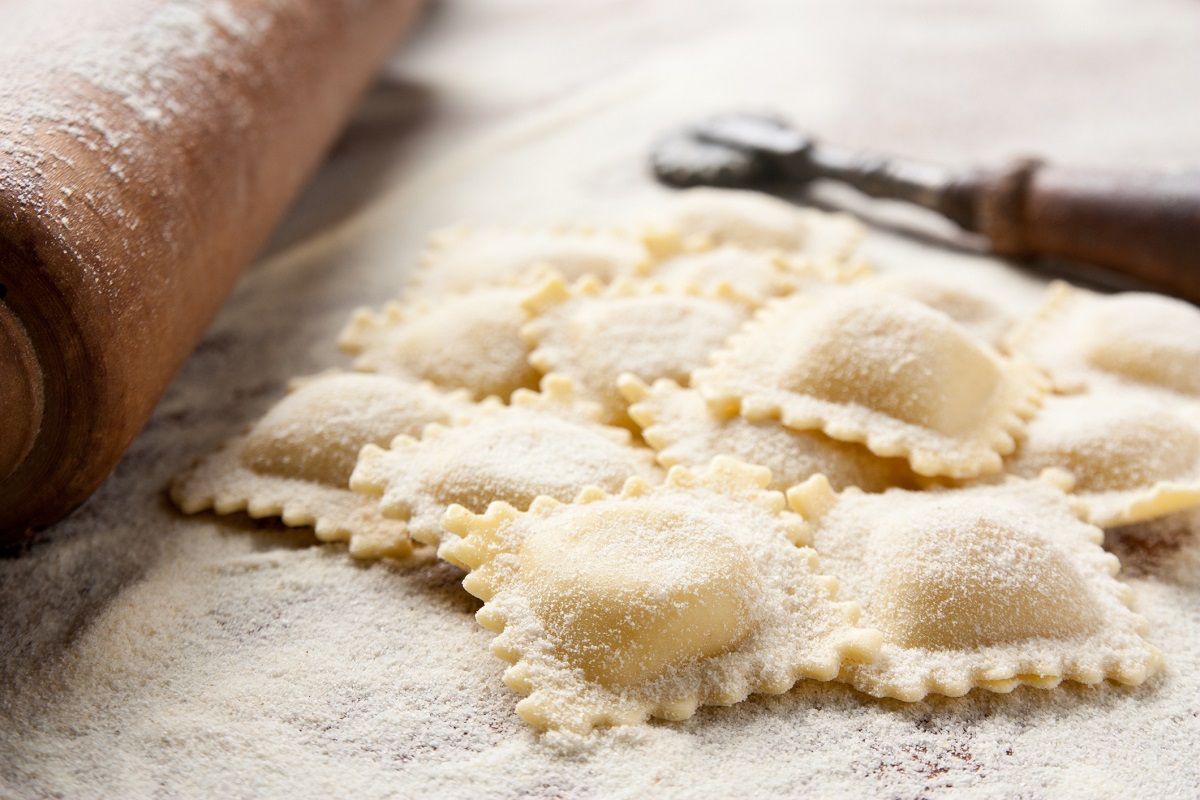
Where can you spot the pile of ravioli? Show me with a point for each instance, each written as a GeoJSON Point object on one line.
{"type": "Point", "coordinates": [717, 455]}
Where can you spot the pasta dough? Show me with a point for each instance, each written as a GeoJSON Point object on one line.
{"type": "Point", "coordinates": [1130, 457]}
{"type": "Point", "coordinates": [543, 444]}
{"type": "Point", "coordinates": [1143, 340]}
{"type": "Point", "coordinates": [470, 341]}
{"type": "Point", "coordinates": [463, 259]}
{"type": "Point", "coordinates": [684, 430]}
{"type": "Point", "coordinates": [655, 600]}
{"type": "Point", "coordinates": [991, 587]}
{"type": "Point", "coordinates": [596, 334]}
{"type": "Point", "coordinates": [295, 463]}
{"type": "Point", "coordinates": [889, 372]}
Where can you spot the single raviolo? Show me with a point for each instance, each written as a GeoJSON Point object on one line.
{"type": "Point", "coordinates": [678, 424]}
{"type": "Point", "coordinates": [870, 367]}
{"type": "Point", "coordinates": [1130, 457]}
{"type": "Point", "coordinates": [653, 601]}
{"type": "Point", "coordinates": [976, 313]}
{"type": "Point", "coordinates": [991, 587]}
{"type": "Point", "coordinates": [751, 275]}
{"type": "Point", "coordinates": [463, 259]}
{"type": "Point", "coordinates": [547, 443]}
{"type": "Point", "coordinates": [470, 341]}
{"type": "Point", "coordinates": [295, 463]}
{"type": "Point", "coordinates": [703, 218]}
{"type": "Point", "coordinates": [1136, 339]}
{"type": "Point", "coordinates": [595, 334]}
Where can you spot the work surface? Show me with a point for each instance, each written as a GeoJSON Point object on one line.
{"type": "Point", "coordinates": [143, 653]}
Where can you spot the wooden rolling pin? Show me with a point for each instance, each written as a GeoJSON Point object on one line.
{"type": "Point", "coordinates": [1142, 226]}
{"type": "Point", "coordinates": [147, 149]}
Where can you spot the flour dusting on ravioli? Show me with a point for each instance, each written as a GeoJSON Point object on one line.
{"type": "Point", "coordinates": [1130, 457]}
{"type": "Point", "coordinates": [1135, 339]}
{"type": "Point", "coordinates": [470, 341]}
{"type": "Point", "coordinates": [653, 601]}
{"type": "Point", "coordinates": [903, 379]}
{"type": "Point", "coordinates": [971, 309]}
{"type": "Point", "coordinates": [462, 259]}
{"type": "Point", "coordinates": [703, 218]}
{"type": "Point", "coordinates": [990, 587]}
{"type": "Point", "coordinates": [595, 334]}
{"type": "Point", "coordinates": [678, 424]}
{"type": "Point", "coordinates": [753, 276]}
{"type": "Point", "coordinates": [549, 443]}
{"type": "Point", "coordinates": [295, 463]}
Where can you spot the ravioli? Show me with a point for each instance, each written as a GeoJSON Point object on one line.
{"type": "Point", "coordinates": [754, 276]}
{"type": "Point", "coordinates": [750, 275]}
{"type": "Point", "coordinates": [1130, 457]}
{"type": "Point", "coordinates": [295, 463]}
{"type": "Point", "coordinates": [542, 444]}
{"type": "Point", "coordinates": [463, 259]}
{"type": "Point", "coordinates": [1134, 339]}
{"type": "Point", "coordinates": [470, 341]}
{"type": "Point", "coordinates": [681, 427]}
{"type": "Point", "coordinates": [595, 334]}
{"type": "Point", "coordinates": [891, 373]}
{"type": "Point", "coordinates": [704, 218]}
{"type": "Point", "coordinates": [972, 310]}
{"type": "Point", "coordinates": [990, 587]}
{"type": "Point", "coordinates": [653, 601]}
{"type": "Point", "coordinates": [740, 341]}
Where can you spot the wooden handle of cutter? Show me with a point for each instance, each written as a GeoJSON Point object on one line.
{"type": "Point", "coordinates": [1145, 226]}
{"type": "Point", "coordinates": [147, 149]}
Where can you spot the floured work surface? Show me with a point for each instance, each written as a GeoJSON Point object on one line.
{"type": "Point", "coordinates": [147, 654]}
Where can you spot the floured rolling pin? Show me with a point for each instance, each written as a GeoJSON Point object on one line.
{"type": "Point", "coordinates": [1143, 226]}
{"type": "Point", "coordinates": [147, 149]}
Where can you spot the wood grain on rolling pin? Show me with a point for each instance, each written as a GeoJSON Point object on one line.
{"type": "Point", "coordinates": [147, 148]}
